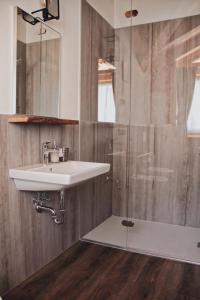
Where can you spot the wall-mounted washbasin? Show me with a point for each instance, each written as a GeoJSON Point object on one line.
{"type": "Point", "coordinates": [55, 177]}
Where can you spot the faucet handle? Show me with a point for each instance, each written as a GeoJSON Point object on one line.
{"type": "Point", "coordinates": [55, 145]}
{"type": "Point", "coordinates": [45, 152]}
{"type": "Point", "coordinates": [63, 154]}
{"type": "Point", "coordinates": [45, 144]}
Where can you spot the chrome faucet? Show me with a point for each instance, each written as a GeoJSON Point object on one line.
{"type": "Point", "coordinates": [54, 153]}
{"type": "Point", "coordinates": [45, 153]}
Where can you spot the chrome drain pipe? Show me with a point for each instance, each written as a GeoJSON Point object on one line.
{"type": "Point", "coordinates": [40, 201]}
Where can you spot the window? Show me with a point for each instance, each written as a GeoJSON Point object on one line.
{"type": "Point", "coordinates": [106, 103]}
{"type": "Point", "coordinates": [193, 122]}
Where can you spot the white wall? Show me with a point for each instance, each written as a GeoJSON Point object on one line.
{"type": "Point", "coordinates": [21, 29]}
{"type": "Point", "coordinates": [71, 52]}
{"type": "Point", "coordinates": [7, 31]}
{"type": "Point", "coordinates": [69, 25]}
{"type": "Point", "coordinates": [154, 10]}
{"type": "Point", "coordinates": [104, 8]}
{"type": "Point", "coordinates": [149, 10]}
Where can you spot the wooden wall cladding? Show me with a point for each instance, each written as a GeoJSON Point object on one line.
{"type": "Point", "coordinates": [96, 139]}
{"type": "Point", "coordinates": [28, 240]}
{"type": "Point", "coordinates": [153, 77]}
{"type": "Point", "coordinates": [97, 42]}
{"type": "Point", "coordinates": [96, 195]}
{"type": "Point", "coordinates": [43, 77]}
{"type": "Point", "coordinates": [163, 163]}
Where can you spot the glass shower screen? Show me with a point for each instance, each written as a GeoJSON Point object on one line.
{"type": "Point", "coordinates": [164, 139]}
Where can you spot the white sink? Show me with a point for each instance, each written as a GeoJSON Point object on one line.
{"type": "Point", "coordinates": [55, 177]}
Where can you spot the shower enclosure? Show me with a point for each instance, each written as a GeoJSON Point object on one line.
{"type": "Point", "coordinates": [140, 111]}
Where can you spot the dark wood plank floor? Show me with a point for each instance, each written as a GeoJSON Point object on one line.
{"type": "Point", "coordinates": [88, 271]}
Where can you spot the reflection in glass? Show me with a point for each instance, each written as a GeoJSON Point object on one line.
{"type": "Point", "coordinates": [38, 68]}
{"type": "Point", "coordinates": [193, 122]}
{"type": "Point", "coordinates": [106, 102]}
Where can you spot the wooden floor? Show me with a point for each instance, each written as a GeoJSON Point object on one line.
{"type": "Point", "coordinates": [88, 271]}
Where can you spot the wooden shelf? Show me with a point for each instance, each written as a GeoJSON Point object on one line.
{"type": "Point", "coordinates": [28, 119]}
{"type": "Point", "coordinates": [193, 136]}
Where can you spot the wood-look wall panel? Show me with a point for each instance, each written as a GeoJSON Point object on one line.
{"type": "Point", "coordinates": [173, 78]}
{"type": "Point", "coordinates": [96, 144]}
{"type": "Point", "coordinates": [158, 178]}
{"type": "Point", "coordinates": [72, 225]}
{"type": "Point", "coordinates": [96, 195]}
{"type": "Point", "coordinates": [141, 76]}
{"type": "Point", "coordinates": [86, 112]}
{"type": "Point", "coordinates": [70, 139]}
{"type": "Point", "coordinates": [23, 149]}
{"type": "Point", "coordinates": [155, 191]}
{"type": "Point", "coordinates": [95, 45]}
{"type": "Point", "coordinates": [140, 196]}
{"type": "Point", "coordinates": [4, 282]}
{"type": "Point", "coordinates": [50, 77]}
{"type": "Point", "coordinates": [193, 204]}
{"type": "Point", "coordinates": [29, 240]}
{"type": "Point", "coordinates": [162, 164]}
{"type": "Point", "coordinates": [86, 191]}
{"type": "Point", "coordinates": [120, 160]}
{"type": "Point", "coordinates": [43, 78]}
{"type": "Point", "coordinates": [21, 78]}
{"type": "Point", "coordinates": [96, 140]}
{"type": "Point", "coordinates": [33, 239]}
{"type": "Point", "coordinates": [87, 141]}
{"type": "Point", "coordinates": [86, 196]}
{"type": "Point", "coordinates": [122, 78]}
{"type": "Point", "coordinates": [33, 78]}
{"type": "Point", "coordinates": [103, 184]}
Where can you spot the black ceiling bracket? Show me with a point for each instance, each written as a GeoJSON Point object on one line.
{"type": "Point", "coordinates": [51, 11]}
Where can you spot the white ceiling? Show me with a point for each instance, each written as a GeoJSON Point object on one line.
{"type": "Point", "coordinates": [149, 10]}
{"type": "Point", "coordinates": [105, 8]}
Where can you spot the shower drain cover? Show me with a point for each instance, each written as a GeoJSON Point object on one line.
{"type": "Point", "coordinates": [127, 223]}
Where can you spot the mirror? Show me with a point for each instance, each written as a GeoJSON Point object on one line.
{"type": "Point", "coordinates": [37, 67]}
